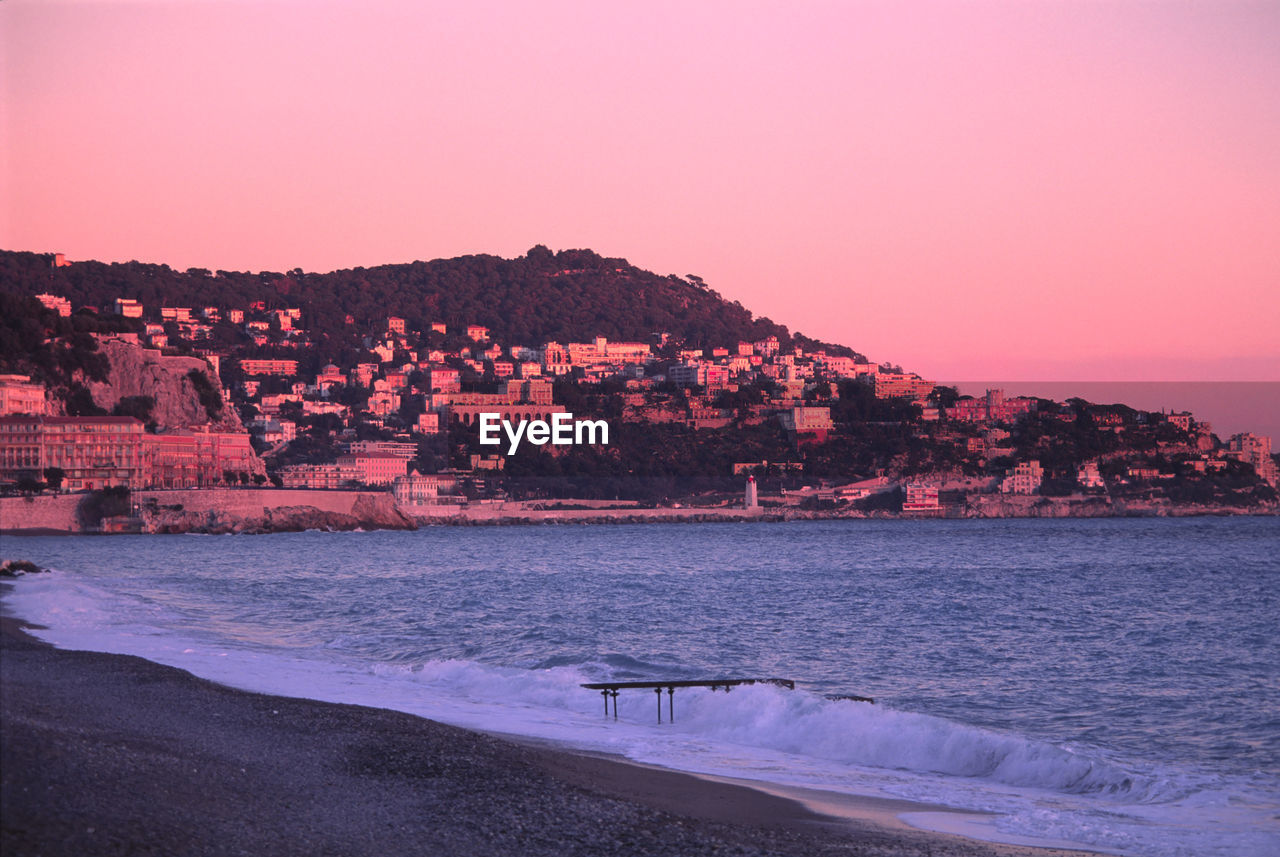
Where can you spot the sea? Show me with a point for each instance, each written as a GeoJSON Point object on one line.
{"type": "Point", "coordinates": [1111, 684]}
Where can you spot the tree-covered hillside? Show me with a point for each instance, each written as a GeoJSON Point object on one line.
{"type": "Point", "coordinates": [542, 296]}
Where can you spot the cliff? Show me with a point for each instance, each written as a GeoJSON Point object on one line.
{"type": "Point", "coordinates": [368, 513]}
{"type": "Point", "coordinates": [137, 371]}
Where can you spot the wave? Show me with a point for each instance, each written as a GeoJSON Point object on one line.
{"type": "Point", "coordinates": [803, 724]}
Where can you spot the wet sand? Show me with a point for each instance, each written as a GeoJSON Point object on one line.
{"type": "Point", "coordinates": [111, 755]}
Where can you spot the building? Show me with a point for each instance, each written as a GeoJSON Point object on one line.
{"type": "Point", "coordinates": [601, 350]}
{"type": "Point", "coordinates": [383, 403]}
{"type": "Point", "coordinates": [1181, 420]}
{"type": "Point", "coordinates": [1089, 476]}
{"type": "Point", "coordinates": [469, 414]}
{"type": "Point", "coordinates": [428, 423]}
{"type": "Point", "coordinates": [18, 395]}
{"type": "Point", "coordinates": [699, 374]}
{"type": "Point", "coordinates": [804, 420]}
{"type": "Point", "coordinates": [287, 368]}
{"type": "Point", "coordinates": [555, 359]}
{"type": "Point", "coordinates": [684, 374]}
{"type": "Point", "coordinates": [992, 407]}
{"type": "Point", "coordinates": [375, 468]}
{"type": "Point", "coordinates": [398, 448]}
{"type": "Point", "coordinates": [395, 325]}
{"type": "Point", "coordinates": [197, 459]}
{"type": "Point", "coordinates": [477, 333]}
{"type": "Point", "coordinates": [101, 452]}
{"type": "Point", "coordinates": [1255, 450]}
{"type": "Point", "coordinates": [536, 391]}
{"type": "Point", "coordinates": [444, 379]}
{"type": "Point", "coordinates": [272, 432]}
{"type": "Point", "coordinates": [416, 489]}
{"type": "Point", "coordinates": [921, 498]}
{"type": "Point", "coordinates": [1025, 478]}
{"type": "Point", "coordinates": [92, 452]}
{"type": "Point", "coordinates": [766, 347]}
{"type": "Point", "coordinates": [175, 313]}
{"type": "Point", "coordinates": [319, 476]}
{"type": "Point", "coordinates": [891, 385]}
{"type": "Point", "coordinates": [61, 306]}
{"type": "Point", "coordinates": [128, 308]}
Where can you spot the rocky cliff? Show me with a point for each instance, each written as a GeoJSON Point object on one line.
{"type": "Point", "coordinates": [370, 512]}
{"type": "Point", "coordinates": [137, 371]}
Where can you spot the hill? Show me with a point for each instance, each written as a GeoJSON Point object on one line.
{"type": "Point", "coordinates": [572, 295]}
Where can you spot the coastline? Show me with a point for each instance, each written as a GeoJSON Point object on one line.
{"type": "Point", "coordinates": [108, 754]}
{"type": "Point", "coordinates": [259, 511]}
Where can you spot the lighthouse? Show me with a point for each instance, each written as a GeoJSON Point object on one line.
{"type": "Point", "coordinates": [752, 500]}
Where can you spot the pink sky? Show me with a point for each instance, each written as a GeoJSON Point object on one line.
{"type": "Point", "coordinates": [1069, 190]}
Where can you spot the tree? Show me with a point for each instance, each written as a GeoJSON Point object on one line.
{"type": "Point", "coordinates": [139, 407]}
{"type": "Point", "coordinates": [54, 476]}
{"type": "Point", "coordinates": [208, 396]}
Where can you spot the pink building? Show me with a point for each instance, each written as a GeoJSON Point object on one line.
{"type": "Point", "coordinates": [375, 468]}
{"type": "Point", "coordinates": [18, 395]}
{"type": "Point", "coordinates": [993, 407]}
{"type": "Point", "coordinates": [891, 385]}
{"type": "Point", "coordinates": [921, 498]}
{"type": "Point", "coordinates": [61, 306]}
{"type": "Point", "coordinates": [807, 420]}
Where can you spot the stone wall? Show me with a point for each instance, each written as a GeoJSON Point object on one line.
{"type": "Point", "coordinates": [57, 513]}
{"type": "Point", "coordinates": [54, 513]}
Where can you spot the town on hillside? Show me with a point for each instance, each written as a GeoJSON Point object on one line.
{"type": "Point", "coordinates": [132, 395]}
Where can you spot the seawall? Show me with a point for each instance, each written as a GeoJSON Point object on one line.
{"type": "Point", "coordinates": [213, 509]}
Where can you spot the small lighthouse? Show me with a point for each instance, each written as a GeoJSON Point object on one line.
{"type": "Point", "coordinates": [751, 500]}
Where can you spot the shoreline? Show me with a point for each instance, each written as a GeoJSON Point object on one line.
{"type": "Point", "coordinates": [259, 511]}
{"type": "Point", "coordinates": [106, 754]}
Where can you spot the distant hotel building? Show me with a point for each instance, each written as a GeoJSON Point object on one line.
{"type": "Point", "coordinates": [807, 420]}
{"type": "Point", "coordinates": [416, 489]}
{"type": "Point", "coordinates": [61, 306]}
{"type": "Point", "coordinates": [128, 308]}
{"type": "Point", "coordinates": [101, 452]}
{"type": "Point", "coordinates": [349, 471]}
{"type": "Point", "coordinates": [92, 452]}
{"type": "Point", "coordinates": [269, 367]}
{"type": "Point", "coordinates": [1255, 450]}
{"type": "Point", "coordinates": [601, 350]}
{"type": "Point", "coordinates": [375, 468]}
{"type": "Point", "coordinates": [1025, 478]}
{"type": "Point", "coordinates": [993, 407]}
{"type": "Point", "coordinates": [18, 395]}
{"type": "Point", "coordinates": [921, 498]}
{"type": "Point", "coordinates": [319, 476]}
{"type": "Point", "coordinates": [890, 385]}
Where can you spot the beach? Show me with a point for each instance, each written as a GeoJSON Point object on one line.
{"type": "Point", "coordinates": [113, 754]}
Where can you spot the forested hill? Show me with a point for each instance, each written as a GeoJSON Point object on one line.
{"type": "Point", "coordinates": [542, 296]}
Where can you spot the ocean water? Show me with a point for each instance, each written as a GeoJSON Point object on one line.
{"type": "Point", "coordinates": [1109, 683]}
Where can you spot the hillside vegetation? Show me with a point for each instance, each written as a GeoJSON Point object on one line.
{"type": "Point", "coordinates": [573, 295]}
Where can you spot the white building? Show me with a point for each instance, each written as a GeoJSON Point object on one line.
{"type": "Point", "coordinates": [416, 489]}
{"type": "Point", "coordinates": [1023, 479]}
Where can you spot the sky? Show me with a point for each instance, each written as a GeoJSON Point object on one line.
{"type": "Point", "coordinates": [1076, 190]}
